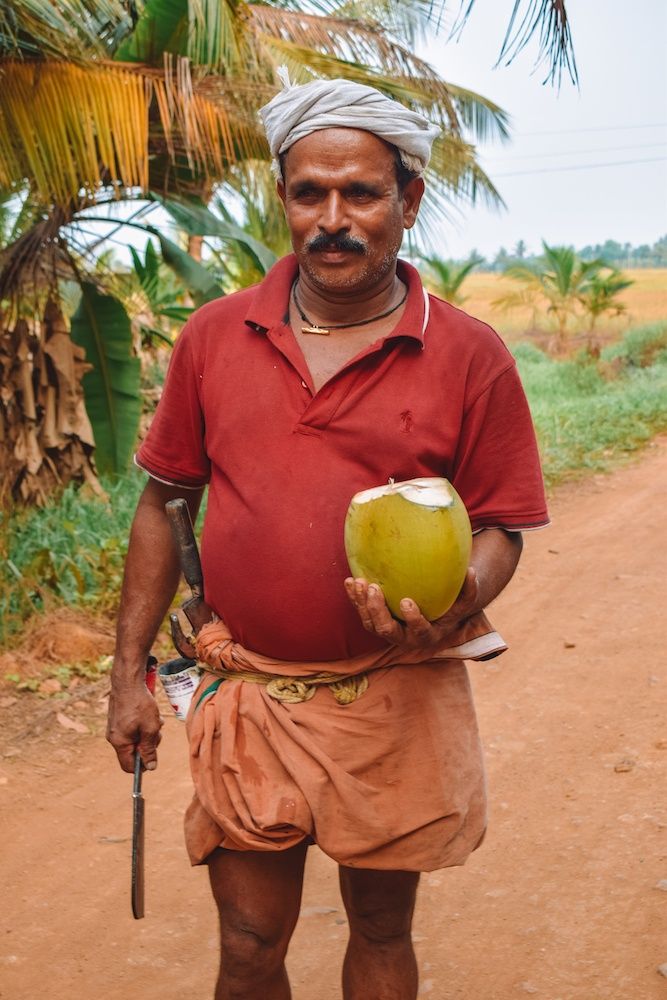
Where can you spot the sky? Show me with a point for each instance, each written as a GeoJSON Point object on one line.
{"type": "Point", "coordinates": [584, 165]}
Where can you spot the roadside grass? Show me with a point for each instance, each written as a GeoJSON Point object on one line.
{"type": "Point", "coordinates": [588, 413]}
{"type": "Point", "coordinates": [69, 552]}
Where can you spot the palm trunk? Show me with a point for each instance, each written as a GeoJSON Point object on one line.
{"type": "Point", "coordinates": [195, 244]}
{"type": "Point", "coordinates": [45, 436]}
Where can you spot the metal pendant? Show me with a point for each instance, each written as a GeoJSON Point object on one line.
{"type": "Point", "coordinates": [321, 330]}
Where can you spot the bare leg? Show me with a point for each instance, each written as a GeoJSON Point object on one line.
{"type": "Point", "coordinates": [380, 961]}
{"type": "Point", "coordinates": [258, 895]}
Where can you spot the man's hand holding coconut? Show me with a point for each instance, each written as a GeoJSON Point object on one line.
{"type": "Point", "coordinates": [326, 715]}
{"type": "Point", "coordinates": [414, 538]}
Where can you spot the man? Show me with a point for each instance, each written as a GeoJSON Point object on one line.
{"type": "Point", "coordinates": [333, 375]}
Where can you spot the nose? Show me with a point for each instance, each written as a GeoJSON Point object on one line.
{"type": "Point", "coordinates": [333, 214]}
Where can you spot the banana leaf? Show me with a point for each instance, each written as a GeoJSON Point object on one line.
{"type": "Point", "coordinates": [112, 388]}
{"type": "Point", "coordinates": [197, 220]}
{"type": "Point", "coordinates": [199, 282]}
{"type": "Point", "coordinates": [162, 26]}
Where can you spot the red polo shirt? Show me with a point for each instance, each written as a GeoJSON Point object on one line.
{"type": "Point", "coordinates": [439, 396]}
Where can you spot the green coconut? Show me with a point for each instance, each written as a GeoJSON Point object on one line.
{"type": "Point", "coordinates": [413, 539]}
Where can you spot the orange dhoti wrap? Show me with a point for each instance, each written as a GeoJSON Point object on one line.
{"type": "Point", "coordinates": [393, 779]}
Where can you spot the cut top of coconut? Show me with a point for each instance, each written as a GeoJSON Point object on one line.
{"type": "Point", "coordinates": [429, 492]}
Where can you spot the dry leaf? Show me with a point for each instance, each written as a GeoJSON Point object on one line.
{"type": "Point", "coordinates": [50, 686]}
{"type": "Point", "coordinates": [67, 723]}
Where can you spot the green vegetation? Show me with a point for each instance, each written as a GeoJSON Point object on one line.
{"type": "Point", "coordinates": [588, 413]}
{"type": "Point", "coordinates": [624, 256]}
{"type": "Point", "coordinates": [185, 78]}
{"type": "Point", "coordinates": [445, 278]}
{"type": "Point", "coordinates": [70, 551]}
{"type": "Point", "coordinates": [570, 288]}
{"type": "Point", "coordinates": [112, 386]}
{"type": "Point", "coordinates": [64, 674]}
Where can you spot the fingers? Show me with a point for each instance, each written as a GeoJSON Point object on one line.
{"type": "Point", "coordinates": [419, 630]}
{"type": "Point", "coordinates": [368, 599]}
{"type": "Point", "coordinates": [148, 749]}
{"type": "Point", "coordinates": [371, 607]}
{"type": "Point", "coordinates": [382, 622]}
{"type": "Point", "coordinates": [357, 592]}
{"type": "Point", "coordinates": [134, 723]}
{"type": "Point", "coordinates": [145, 743]}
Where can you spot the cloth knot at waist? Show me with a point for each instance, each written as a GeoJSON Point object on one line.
{"type": "Point", "coordinates": [347, 679]}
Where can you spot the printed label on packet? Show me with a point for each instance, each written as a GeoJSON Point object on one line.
{"type": "Point", "coordinates": [180, 679]}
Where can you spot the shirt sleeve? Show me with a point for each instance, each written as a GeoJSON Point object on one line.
{"type": "Point", "coordinates": [497, 465]}
{"type": "Point", "coordinates": [174, 449]}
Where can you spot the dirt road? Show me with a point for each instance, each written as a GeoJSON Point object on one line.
{"type": "Point", "coordinates": [562, 902]}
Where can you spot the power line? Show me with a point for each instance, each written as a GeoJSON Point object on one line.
{"type": "Point", "coordinates": [585, 166]}
{"type": "Point", "coordinates": [575, 152]}
{"type": "Point", "coordinates": [605, 128]}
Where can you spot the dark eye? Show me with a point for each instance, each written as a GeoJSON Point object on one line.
{"type": "Point", "coordinates": [306, 194]}
{"type": "Point", "coordinates": [360, 194]}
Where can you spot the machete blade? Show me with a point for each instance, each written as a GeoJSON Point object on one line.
{"type": "Point", "coordinates": [137, 842]}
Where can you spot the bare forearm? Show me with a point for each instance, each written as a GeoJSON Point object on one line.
{"type": "Point", "coordinates": [150, 581]}
{"type": "Point", "coordinates": [495, 556]}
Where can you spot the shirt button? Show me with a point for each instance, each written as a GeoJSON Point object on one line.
{"type": "Point", "coordinates": [304, 384]}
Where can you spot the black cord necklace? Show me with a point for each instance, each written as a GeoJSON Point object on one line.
{"type": "Point", "coordinates": [325, 330]}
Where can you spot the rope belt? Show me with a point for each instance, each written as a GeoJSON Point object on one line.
{"type": "Point", "coordinates": [292, 689]}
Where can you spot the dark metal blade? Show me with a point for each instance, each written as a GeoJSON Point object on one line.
{"type": "Point", "coordinates": [137, 842]}
{"type": "Point", "coordinates": [181, 526]}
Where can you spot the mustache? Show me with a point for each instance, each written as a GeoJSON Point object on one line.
{"type": "Point", "coordinates": [340, 242]}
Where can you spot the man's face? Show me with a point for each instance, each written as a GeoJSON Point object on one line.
{"type": "Point", "coordinates": [344, 209]}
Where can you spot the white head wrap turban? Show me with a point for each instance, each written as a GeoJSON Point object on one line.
{"type": "Point", "coordinates": [297, 111]}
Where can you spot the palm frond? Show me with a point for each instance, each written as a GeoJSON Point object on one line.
{"type": "Point", "coordinates": [366, 46]}
{"type": "Point", "coordinates": [482, 117]}
{"type": "Point", "coordinates": [403, 15]}
{"type": "Point", "coordinates": [217, 35]}
{"type": "Point", "coordinates": [75, 30]}
{"type": "Point", "coordinates": [401, 75]}
{"type": "Point", "coordinates": [73, 130]}
{"type": "Point", "coordinates": [549, 20]}
{"type": "Point", "coordinates": [32, 265]}
{"type": "Point", "coordinates": [409, 20]}
{"type": "Point", "coordinates": [456, 173]}
{"type": "Point", "coordinates": [250, 188]}
{"type": "Point", "coordinates": [211, 33]}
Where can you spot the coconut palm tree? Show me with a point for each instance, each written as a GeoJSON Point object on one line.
{"type": "Point", "coordinates": [564, 282]}
{"type": "Point", "coordinates": [445, 277]}
{"type": "Point", "coordinates": [107, 101]}
{"type": "Point", "coordinates": [601, 293]}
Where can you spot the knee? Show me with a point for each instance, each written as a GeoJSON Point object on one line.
{"type": "Point", "coordinates": [380, 925]}
{"type": "Point", "coordinates": [249, 957]}
{"type": "Point", "coordinates": [380, 905]}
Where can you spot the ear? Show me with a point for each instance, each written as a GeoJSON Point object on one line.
{"type": "Point", "coordinates": [280, 189]}
{"type": "Point", "coordinates": [412, 196]}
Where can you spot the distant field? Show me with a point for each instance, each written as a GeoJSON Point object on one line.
{"type": "Point", "coordinates": [646, 301]}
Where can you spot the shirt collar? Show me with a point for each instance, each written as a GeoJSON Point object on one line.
{"type": "Point", "coordinates": [269, 304]}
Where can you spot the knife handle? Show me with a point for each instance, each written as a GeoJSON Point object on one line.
{"type": "Point", "coordinates": [136, 788]}
{"type": "Point", "coordinates": [151, 677]}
